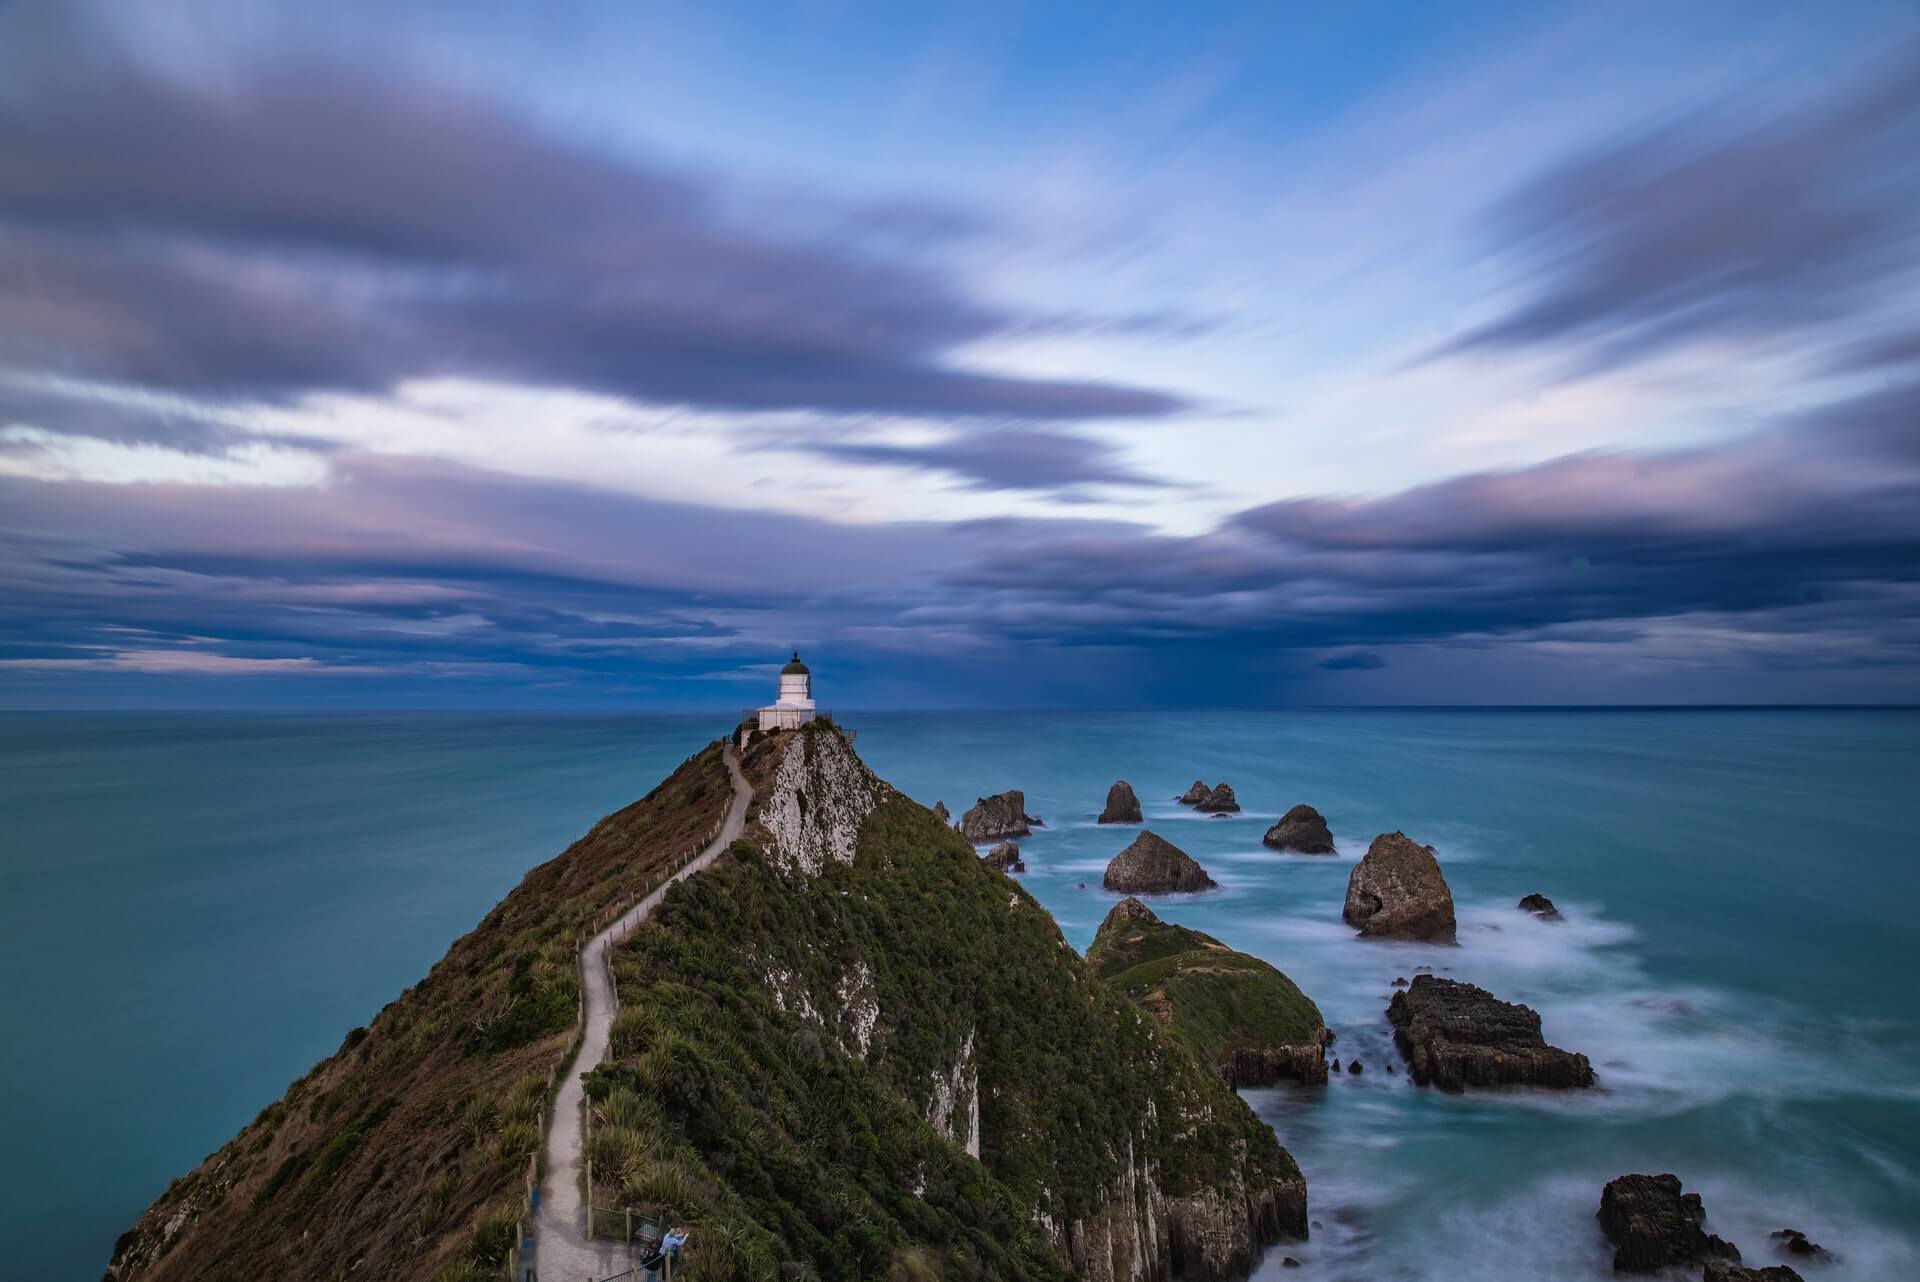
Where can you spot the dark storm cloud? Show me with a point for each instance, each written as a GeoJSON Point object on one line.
{"type": "Point", "coordinates": [1735, 225]}
{"type": "Point", "coordinates": [1357, 661]}
{"type": "Point", "coordinates": [307, 227]}
{"type": "Point", "coordinates": [1005, 459]}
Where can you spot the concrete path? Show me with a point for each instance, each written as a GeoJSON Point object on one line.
{"type": "Point", "coordinates": [562, 1252]}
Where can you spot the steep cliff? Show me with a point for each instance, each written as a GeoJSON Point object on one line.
{"type": "Point", "coordinates": [854, 1051]}
{"type": "Point", "coordinates": [1232, 1010]}
{"type": "Point", "coordinates": [401, 1155]}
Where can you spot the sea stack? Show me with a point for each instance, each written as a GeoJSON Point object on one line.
{"type": "Point", "coordinates": [1006, 858]}
{"type": "Point", "coordinates": [1455, 1035]}
{"type": "Point", "coordinates": [1194, 795]}
{"type": "Point", "coordinates": [993, 818]}
{"type": "Point", "coordinates": [1154, 865]}
{"type": "Point", "coordinates": [1301, 829]}
{"type": "Point", "coordinates": [1396, 891]}
{"type": "Point", "coordinates": [1654, 1226]}
{"type": "Point", "coordinates": [1540, 906]}
{"type": "Point", "coordinates": [940, 813]}
{"type": "Point", "coordinates": [1218, 801]}
{"type": "Point", "coordinates": [1122, 806]}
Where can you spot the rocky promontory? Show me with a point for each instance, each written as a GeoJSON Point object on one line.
{"type": "Point", "coordinates": [1396, 891]}
{"type": "Point", "coordinates": [1456, 1035]}
{"type": "Point", "coordinates": [1122, 806]}
{"type": "Point", "coordinates": [1235, 1012]}
{"type": "Point", "coordinates": [940, 812]}
{"type": "Point", "coordinates": [1302, 829]}
{"type": "Point", "coordinates": [1154, 865]}
{"type": "Point", "coordinates": [1654, 1226]}
{"type": "Point", "coordinates": [992, 818]}
{"type": "Point", "coordinates": [1218, 801]}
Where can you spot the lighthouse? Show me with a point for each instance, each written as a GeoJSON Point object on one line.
{"type": "Point", "coordinates": [794, 707]}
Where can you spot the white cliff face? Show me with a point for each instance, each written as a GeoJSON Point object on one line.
{"type": "Point", "coordinates": [821, 795]}
{"type": "Point", "coordinates": [954, 1109]}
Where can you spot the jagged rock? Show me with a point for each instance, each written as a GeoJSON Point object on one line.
{"type": "Point", "coordinates": [1454, 1035]}
{"type": "Point", "coordinates": [1794, 1242]}
{"type": "Point", "coordinates": [1219, 801]}
{"type": "Point", "coordinates": [1540, 906]}
{"type": "Point", "coordinates": [1005, 857]}
{"type": "Point", "coordinates": [1288, 1262]}
{"type": "Point", "coordinates": [1336, 1063]}
{"type": "Point", "coordinates": [992, 818]}
{"type": "Point", "coordinates": [1396, 891]}
{"type": "Point", "coordinates": [1653, 1225]}
{"type": "Point", "coordinates": [1234, 1011]}
{"type": "Point", "coordinates": [1399, 981]}
{"type": "Point", "coordinates": [1354, 1068]}
{"type": "Point", "coordinates": [940, 813]}
{"type": "Point", "coordinates": [1194, 795]}
{"type": "Point", "coordinates": [1151, 865]}
{"type": "Point", "coordinates": [1122, 806]}
{"type": "Point", "coordinates": [1302, 829]}
{"type": "Point", "coordinates": [1721, 1271]}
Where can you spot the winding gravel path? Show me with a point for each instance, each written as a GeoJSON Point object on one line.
{"type": "Point", "coordinates": [562, 1251]}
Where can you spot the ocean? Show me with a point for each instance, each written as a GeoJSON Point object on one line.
{"type": "Point", "coordinates": [195, 908]}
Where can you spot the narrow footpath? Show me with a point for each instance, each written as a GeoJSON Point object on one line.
{"type": "Point", "coordinates": [562, 1251]}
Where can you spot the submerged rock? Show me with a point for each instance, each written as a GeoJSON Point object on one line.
{"type": "Point", "coordinates": [1540, 906]}
{"type": "Point", "coordinates": [1152, 864]}
{"type": "Point", "coordinates": [1002, 815]}
{"type": "Point", "coordinates": [940, 813]}
{"type": "Point", "coordinates": [1653, 1225]}
{"type": "Point", "coordinates": [1301, 829]}
{"type": "Point", "coordinates": [1396, 891]}
{"type": "Point", "coordinates": [1122, 806]}
{"type": "Point", "coordinates": [1194, 795]}
{"type": "Point", "coordinates": [1235, 1012]}
{"type": "Point", "coordinates": [1721, 1271]}
{"type": "Point", "coordinates": [1218, 801]}
{"type": "Point", "coordinates": [1455, 1035]}
{"type": "Point", "coordinates": [1006, 858]}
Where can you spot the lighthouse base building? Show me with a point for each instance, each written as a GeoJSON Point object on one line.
{"type": "Point", "coordinates": [794, 707]}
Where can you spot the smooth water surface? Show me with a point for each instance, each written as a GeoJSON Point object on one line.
{"type": "Point", "coordinates": [195, 909]}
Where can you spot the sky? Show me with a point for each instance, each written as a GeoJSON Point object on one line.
{"type": "Point", "coordinates": [597, 356]}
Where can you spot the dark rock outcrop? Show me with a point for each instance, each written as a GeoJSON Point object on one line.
{"type": "Point", "coordinates": [1354, 1067]}
{"type": "Point", "coordinates": [993, 818]}
{"type": "Point", "coordinates": [1396, 891]}
{"type": "Point", "coordinates": [1454, 1035]}
{"type": "Point", "coordinates": [1721, 1271]}
{"type": "Point", "coordinates": [1006, 858]}
{"type": "Point", "coordinates": [940, 813]}
{"type": "Point", "coordinates": [1540, 906]}
{"type": "Point", "coordinates": [1218, 801]}
{"type": "Point", "coordinates": [1151, 865]}
{"type": "Point", "coordinates": [1653, 1225]}
{"type": "Point", "coordinates": [1194, 795]}
{"type": "Point", "coordinates": [1794, 1242]}
{"type": "Point", "coordinates": [1122, 806]}
{"type": "Point", "coordinates": [1302, 829]}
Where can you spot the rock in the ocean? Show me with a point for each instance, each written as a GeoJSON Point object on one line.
{"type": "Point", "coordinates": [940, 813]}
{"type": "Point", "coordinates": [1002, 815]}
{"type": "Point", "coordinates": [1794, 1242]}
{"type": "Point", "coordinates": [1399, 981]}
{"type": "Point", "coordinates": [1454, 1035]}
{"type": "Point", "coordinates": [1653, 1225]}
{"type": "Point", "coordinates": [1122, 806]}
{"type": "Point", "coordinates": [1353, 1067]}
{"type": "Point", "coordinates": [1396, 891]}
{"type": "Point", "coordinates": [1336, 1063]}
{"type": "Point", "coordinates": [1006, 858]}
{"type": "Point", "coordinates": [1540, 906]}
{"type": "Point", "coordinates": [1194, 795]}
{"type": "Point", "coordinates": [1301, 829]}
{"type": "Point", "coordinates": [1236, 1013]}
{"type": "Point", "coordinates": [1153, 864]}
{"type": "Point", "coordinates": [1218, 801]}
{"type": "Point", "coordinates": [1721, 1271]}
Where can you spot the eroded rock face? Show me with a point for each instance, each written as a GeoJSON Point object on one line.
{"type": "Point", "coordinates": [1218, 801]}
{"type": "Point", "coordinates": [1721, 1271]}
{"type": "Point", "coordinates": [1122, 806]}
{"type": "Point", "coordinates": [1455, 1035]}
{"type": "Point", "coordinates": [1006, 858]}
{"type": "Point", "coordinates": [821, 795]}
{"type": "Point", "coordinates": [1302, 829]}
{"type": "Point", "coordinates": [1396, 891]}
{"type": "Point", "coordinates": [1154, 865]}
{"type": "Point", "coordinates": [1540, 906]}
{"type": "Point", "coordinates": [1002, 815]}
{"type": "Point", "coordinates": [1194, 795]}
{"type": "Point", "coordinates": [940, 813]}
{"type": "Point", "coordinates": [1653, 1225]}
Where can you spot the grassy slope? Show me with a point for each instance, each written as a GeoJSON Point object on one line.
{"type": "Point", "coordinates": [401, 1156]}
{"type": "Point", "coordinates": [740, 1110]}
{"type": "Point", "coordinates": [1213, 999]}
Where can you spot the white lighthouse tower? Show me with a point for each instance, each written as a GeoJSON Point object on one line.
{"type": "Point", "coordinates": [794, 707]}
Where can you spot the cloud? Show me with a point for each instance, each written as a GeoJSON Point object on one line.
{"type": "Point", "coordinates": [1354, 661]}
{"type": "Point", "coordinates": [298, 227]}
{"type": "Point", "coordinates": [1742, 223]}
{"type": "Point", "coordinates": [1004, 459]}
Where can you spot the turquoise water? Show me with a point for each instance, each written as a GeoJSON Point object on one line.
{"type": "Point", "coordinates": [194, 909]}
